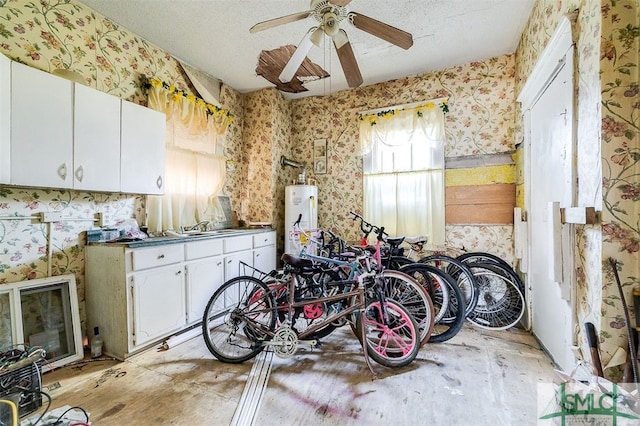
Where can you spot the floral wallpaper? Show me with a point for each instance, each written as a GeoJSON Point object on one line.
{"type": "Point", "coordinates": [267, 138]}
{"type": "Point", "coordinates": [619, 62]}
{"type": "Point", "coordinates": [481, 99]}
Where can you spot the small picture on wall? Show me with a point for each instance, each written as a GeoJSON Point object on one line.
{"type": "Point", "coordinates": [320, 156]}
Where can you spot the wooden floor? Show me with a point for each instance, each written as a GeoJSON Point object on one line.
{"type": "Point", "coordinates": [478, 377]}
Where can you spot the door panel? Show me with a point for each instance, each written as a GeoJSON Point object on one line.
{"type": "Point", "coordinates": [551, 181]}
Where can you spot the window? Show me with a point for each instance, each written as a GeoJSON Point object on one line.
{"type": "Point", "coordinates": [195, 166]}
{"type": "Point", "coordinates": [43, 312]}
{"type": "Point", "coordinates": [403, 164]}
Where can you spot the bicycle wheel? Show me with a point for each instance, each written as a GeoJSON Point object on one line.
{"type": "Point", "coordinates": [392, 343]}
{"type": "Point", "coordinates": [238, 318]}
{"type": "Point", "coordinates": [482, 257]}
{"type": "Point", "coordinates": [405, 290]}
{"type": "Point", "coordinates": [457, 270]}
{"type": "Point", "coordinates": [501, 303]}
{"type": "Point", "coordinates": [441, 287]}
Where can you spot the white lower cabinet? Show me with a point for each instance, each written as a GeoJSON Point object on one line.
{"type": "Point", "coordinates": [264, 253]}
{"type": "Point", "coordinates": [158, 303]}
{"type": "Point", "coordinates": [140, 296]}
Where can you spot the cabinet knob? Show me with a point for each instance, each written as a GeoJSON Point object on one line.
{"type": "Point", "coordinates": [159, 182]}
{"type": "Point", "coordinates": [62, 171]}
{"type": "Point", "coordinates": [161, 256]}
{"type": "Point", "coordinates": [79, 173]}
{"type": "Point", "coordinates": [178, 272]}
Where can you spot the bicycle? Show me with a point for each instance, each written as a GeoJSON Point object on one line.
{"type": "Point", "coordinates": [241, 318]}
{"type": "Point", "coordinates": [395, 284]}
{"type": "Point", "coordinates": [448, 301]}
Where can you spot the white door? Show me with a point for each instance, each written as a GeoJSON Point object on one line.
{"type": "Point", "coordinates": [41, 128]}
{"type": "Point", "coordinates": [204, 277]}
{"type": "Point", "coordinates": [551, 180]}
{"type": "Point", "coordinates": [142, 150]}
{"type": "Point", "coordinates": [158, 303]}
{"type": "Point", "coordinates": [96, 140]}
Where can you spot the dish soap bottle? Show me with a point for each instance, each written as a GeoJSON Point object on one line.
{"type": "Point", "coordinates": [96, 343]}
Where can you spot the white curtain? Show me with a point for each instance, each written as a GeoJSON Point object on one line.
{"type": "Point", "coordinates": [195, 169]}
{"type": "Point", "coordinates": [403, 163]}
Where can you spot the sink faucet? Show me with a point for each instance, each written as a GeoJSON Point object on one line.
{"type": "Point", "coordinates": [201, 226]}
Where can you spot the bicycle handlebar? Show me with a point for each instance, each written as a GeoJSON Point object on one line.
{"type": "Point", "coordinates": [367, 227]}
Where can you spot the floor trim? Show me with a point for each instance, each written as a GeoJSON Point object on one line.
{"type": "Point", "coordinates": [245, 414]}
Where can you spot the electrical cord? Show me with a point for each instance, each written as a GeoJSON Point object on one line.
{"type": "Point", "coordinates": [65, 412]}
{"type": "Point", "coordinates": [49, 400]}
{"type": "Point", "coordinates": [61, 416]}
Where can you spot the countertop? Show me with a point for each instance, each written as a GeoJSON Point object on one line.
{"type": "Point", "coordinates": [198, 236]}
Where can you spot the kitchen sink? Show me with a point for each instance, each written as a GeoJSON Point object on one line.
{"type": "Point", "coordinates": [202, 233]}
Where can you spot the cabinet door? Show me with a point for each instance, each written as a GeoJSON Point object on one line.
{"type": "Point", "coordinates": [264, 259]}
{"type": "Point", "coordinates": [96, 140]}
{"type": "Point", "coordinates": [41, 128]}
{"type": "Point", "coordinates": [233, 264]}
{"type": "Point", "coordinates": [142, 149]}
{"type": "Point", "coordinates": [203, 279]}
{"type": "Point", "coordinates": [158, 303]}
{"type": "Point", "coordinates": [5, 119]}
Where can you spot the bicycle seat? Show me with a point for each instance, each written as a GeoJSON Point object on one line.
{"type": "Point", "coordinates": [296, 261]}
{"type": "Point", "coordinates": [395, 242]}
{"type": "Point", "coordinates": [417, 240]}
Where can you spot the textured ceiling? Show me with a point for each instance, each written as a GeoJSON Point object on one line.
{"type": "Point", "coordinates": [213, 35]}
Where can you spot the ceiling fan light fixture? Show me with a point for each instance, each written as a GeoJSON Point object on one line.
{"type": "Point", "coordinates": [316, 36]}
{"type": "Point", "coordinates": [330, 23]}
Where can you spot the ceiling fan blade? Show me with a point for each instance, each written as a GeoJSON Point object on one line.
{"type": "Point", "coordinates": [381, 30]}
{"type": "Point", "coordinates": [340, 2]}
{"type": "Point", "coordinates": [265, 25]}
{"type": "Point", "coordinates": [347, 59]}
{"type": "Point", "coordinates": [297, 58]}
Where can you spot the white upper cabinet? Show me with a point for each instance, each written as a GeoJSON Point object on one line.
{"type": "Point", "coordinates": [55, 133]}
{"type": "Point", "coordinates": [5, 118]}
{"type": "Point", "coordinates": [96, 140]}
{"type": "Point", "coordinates": [41, 128]}
{"type": "Point", "coordinates": [143, 134]}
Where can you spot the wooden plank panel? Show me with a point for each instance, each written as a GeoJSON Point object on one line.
{"type": "Point", "coordinates": [499, 193]}
{"type": "Point", "coordinates": [480, 204]}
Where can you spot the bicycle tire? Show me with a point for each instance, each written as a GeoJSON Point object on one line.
{"type": "Point", "coordinates": [501, 304]}
{"type": "Point", "coordinates": [482, 257]}
{"type": "Point", "coordinates": [460, 273]}
{"type": "Point", "coordinates": [395, 344]}
{"type": "Point", "coordinates": [438, 293]}
{"type": "Point", "coordinates": [450, 317]}
{"type": "Point", "coordinates": [405, 290]}
{"type": "Point", "coordinates": [239, 316]}
{"type": "Point", "coordinates": [396, 262]}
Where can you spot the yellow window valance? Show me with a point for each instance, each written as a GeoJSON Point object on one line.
{"type": "Point", "coordinates": [419, 109]}
{"type": "Point", "coordinates": [194, 112]}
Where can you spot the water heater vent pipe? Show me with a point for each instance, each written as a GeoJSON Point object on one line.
{"type": "Point", "coordinates": [287, 162]}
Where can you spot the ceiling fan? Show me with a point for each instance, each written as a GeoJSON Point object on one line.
{"type": "Point", "coordinates": [329, 14]}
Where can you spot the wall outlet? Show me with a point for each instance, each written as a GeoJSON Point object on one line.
{"type": "Point", "coordinates": [99, 219]}
{"type": "Point", "coordinates": [51, 217]}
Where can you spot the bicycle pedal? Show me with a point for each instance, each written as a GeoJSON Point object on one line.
{"type": "Point", "coordinates": [313, 342]}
